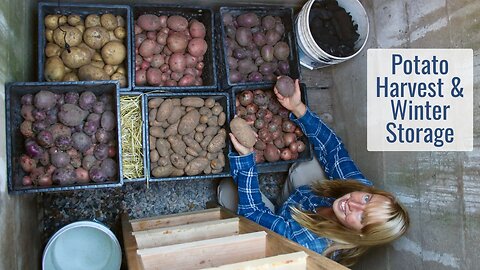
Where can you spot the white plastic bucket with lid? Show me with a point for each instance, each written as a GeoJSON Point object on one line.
{"type": "Point", "coordinates": [310, 54]}
{"type": "Point", "coordinates": [82, 245]}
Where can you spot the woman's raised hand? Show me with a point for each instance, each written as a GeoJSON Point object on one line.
{"type": "Point", "coordinates": [293, 103]}
{"type": "Point", "coordinates": [241, 149]}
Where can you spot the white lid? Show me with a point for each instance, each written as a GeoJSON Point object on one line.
{"type": "Point", "coordinates": [83, 245]}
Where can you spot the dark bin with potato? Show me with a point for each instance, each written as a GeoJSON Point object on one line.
{"type": "Point", "coordinates": [63, 136]}
{"type": "Point", "coordinates": [84, 42]}
{"type": "Point", "coordinates": [187, 136]}
{"type": "Point", "coordinates": [255, 45]}
{"type": "Point", "coordinates": [280, 142]}
{"type": "Point", "coordinates": [173, 48]}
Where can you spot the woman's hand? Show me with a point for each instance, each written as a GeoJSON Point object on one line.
{"type": "Point", "coordinates": [293, 103]}
{"type": "Point", "coordinates": [241, 149]}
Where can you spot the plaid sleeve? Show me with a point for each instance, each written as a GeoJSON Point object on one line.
{"type": "Point", "coordinates": [329, 149]}
{"type": "Point", "coordinates": [250, 204]}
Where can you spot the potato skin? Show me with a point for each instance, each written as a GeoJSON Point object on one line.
{"type": "Point", "coordinates": [92, 73]}
{"type": "Point", "coordinates": [114, 52]}
{"type": "Point", "coordinates": [243, 132]}
{"type": "Point", "coordinates": [217, 143]}
{"type": "Point", "coordinates": [108, 21]}
{"type": "Point", "coordinates": [68, 34]}
{"type": "Point", "coordinates": [189, 122]}
{"type": "Point", "coordinates": [96, 37]}
{"type": "Point", "coordinates": [196, 166]}
{"type": "Point", "coordinates": [192, 102]}
{"type": "Point", "coordinates": [54, 69]}
{"type": "Point", "coordinates": [76, 58]}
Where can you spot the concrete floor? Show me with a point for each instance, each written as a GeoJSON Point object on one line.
{"type": "Point", "coordinates": [440, 189]}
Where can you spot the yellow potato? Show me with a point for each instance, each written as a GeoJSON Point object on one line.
{"type": "Point", "coordinates": [62, 20]}
{"type": "Point", "coordinates": [114, 52]}
{"type": "Point", "coordinates": [51, 22]}
{"type": "Point", "coordinates": [109, 21]}
{"type": "Point", "coordinates": [52, 49]}
{"type": "Point", "coordinates": [120, 32]}
{"type": "Point", "coordinates": [76, 58]}
{"type": "Point", "coordinates": [92, 20]}
{"type": "Point", "coordinates": [54, 69]}
{"type": "Point", "coordinates": [49, 35]}
{"type": "Point", "coordinates": [92, 73]}
{"type": "Point", "coordinates": [68, 34]}
{"type": "Point", "coordinates": [120, 78]}
{"type": "Point", "coordinates": [74, 20]}
{"type": "Point", "coordinates": [70, 77]}
{"type": "Point", "coordinates": [96, 37]}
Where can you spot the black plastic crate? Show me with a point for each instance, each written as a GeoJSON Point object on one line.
{"type": "Point", "coordinates": [46, 8]}
{"type": "Point", "coordinates": [15, 140]}
{"type": "Point", "coordinates": [144, 137]}
{"type": "Point", "coordinates": [203, 15]}
{"type": "Point", "coordinates": [286, 14]}
{"type": "Point", "coordinates": [224, 100]}
{"type": "Point", "coordinates": [282, 165]}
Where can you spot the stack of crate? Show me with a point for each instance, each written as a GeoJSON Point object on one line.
{"type": "Point", "coordinates": [212, 239]}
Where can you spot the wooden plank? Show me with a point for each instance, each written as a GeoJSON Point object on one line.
{"type": "Point", "coordinates": [186, 233]}
{"type": "Point", "coordinates": [205, 253]}
{"type": "Point", "coordinates": [290, 261]}
{"type": "Point", "coordinates": [277, 244]}
{"type": "Point", "coordinates": [175, 219]}
{"type": "Point", "coordinates": [130, 246]}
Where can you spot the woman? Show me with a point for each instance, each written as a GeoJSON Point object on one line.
{"type": "Point", "coordinates": [339, 218]}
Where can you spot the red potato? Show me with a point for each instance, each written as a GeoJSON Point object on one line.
{"type": "Point", "coordinates": [149, 22]}
{"type": "Point", "coordinates": [27, 163]}
{"type": "Point", "coordinates": [157, 60]}
{"type": "Point", "coordinates": [187, 80]}
{"type": "Point", "coordinates": [177, 42]}
{"type": "Point", "coordinates": [140, 77]}
{"type": "Point", "coordinates": [82, 176]}
{"type": "Point", "coordinates": [271, 153]}
{"type": "Point", "coordinates": [197, 47]}
{"type": "Point", "coordinates": [177, 62]}
{"type": "Point", "coordinates": [197, 29]}
{"type": "Point", "coordinates": [177, 23]}
{"type": "Point", "coordinates": [147, 48]}
{"type": "Point", "coordinates": [154, 76]}
{"type": "Point", "coordinates": [286, 154]}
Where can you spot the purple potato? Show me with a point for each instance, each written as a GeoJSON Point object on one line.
{"type": "Point", "coordinates": [101, 151]}
{"type": "Point", "coordinates": [107, 121]}
{"type": "Point", "coordinates": [45, 138]}
{"type": "Point", "coordinates": [97, 175]}
{"type": "Point", "coordinates": [109, 167]}
{"type": "Point", "coordinates": [27, 99]}
{"type": "Point", "coordinates": [86, 100]}
{"type": "Point", "coordinates": [64, 176]}
{"type": "Point", "coordinates": [60, 159]}
{"type": "Point", "coordinates": [98, 107]}
{"type": "Point", "coordinates": [63, 142]}
{"type": "Point", "coordinates": [81, 141]}
{"type": "Point", "coordinates": [71, 98]}
{"type": "Point", "coordinates": [44, 100]}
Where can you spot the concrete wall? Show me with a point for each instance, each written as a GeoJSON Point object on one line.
{"type": "Point", "coordinates": [20, 246]}
{"type": "Point", "coordinates": [439, 188]}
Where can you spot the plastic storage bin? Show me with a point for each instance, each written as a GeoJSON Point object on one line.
{"type": "Point", "coordinates": [203, 15]}
{"type": "Point", "coordinates": [15, 140]}
{"type": "Point", "coordinates": [286, 14]}
{"type": "Point", "coordinates": [224, 100]}
{"type": "Point", "coordinates": [46, 8]}
{"type": "Point", "coordinates": [282, 165]}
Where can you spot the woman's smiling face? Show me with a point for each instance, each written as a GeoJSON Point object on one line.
{"type": "Point", "coordinates": [350, 208]}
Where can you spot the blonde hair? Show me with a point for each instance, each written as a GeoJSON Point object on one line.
{"type": "Point", "coordinates": [384, 222]}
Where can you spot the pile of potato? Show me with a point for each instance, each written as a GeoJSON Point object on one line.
{"type": "Point", "coordinates": [278, 137]}
{"type": "Point", "coordinates": [256, 50]}
{"type": "Point", "coordinates": [186, 136]}
{"type": "Point", "coordinates": [69, 138]}
{"type": "Point", "coordinates": [85, 49]}
{"type": "Point", "coordinates": [169, 50]}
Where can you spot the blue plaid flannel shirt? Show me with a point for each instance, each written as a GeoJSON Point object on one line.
{"type": "Point", "coordinates": [334, 159]}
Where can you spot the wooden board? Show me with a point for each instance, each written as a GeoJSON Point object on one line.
{"type": "Point", "coordinates": [277, 244]}
{"type": "Point", "coordinates": [186, 233]}
{"type": "Point", "coordinates": [175, 219]}
{"type": "Point", "coordinates": [130, 246]}
{"type": "Point", "coordinates": [291, 261]}
{"type": "Point", "coordinates": [205, 253]}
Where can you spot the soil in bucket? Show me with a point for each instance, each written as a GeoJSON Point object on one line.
{"type": "Point", "coordinates": [332, 28]}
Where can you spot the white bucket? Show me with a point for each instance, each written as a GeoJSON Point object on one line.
{"type": "Point", "coordinates": [82, 245]}
{"type": "Point", "coordinates": [310, 54]}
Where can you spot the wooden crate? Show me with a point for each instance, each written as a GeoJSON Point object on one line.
{"type": "Point", "coordinates": [213, 239]}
